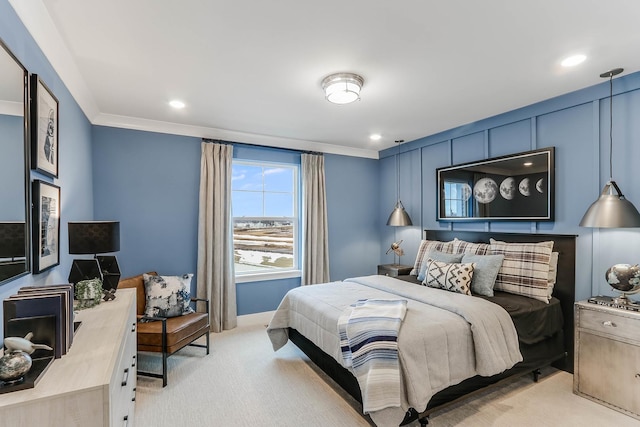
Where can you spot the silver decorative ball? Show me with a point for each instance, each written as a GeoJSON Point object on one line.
{"type": "Point", "coordinates": [14, 365]}
{"type": "Point", "coordinates": [624, 278]}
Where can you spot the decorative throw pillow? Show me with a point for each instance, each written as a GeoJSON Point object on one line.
{"type": "Point", "coordinates": [463, 247]}
{"type": "Point", "coordinates": [553, 272]}
{"type": "Point", "coordinates": [425, 247]}
{"type": "Point", "coordinates": [88, 293]}
{"type": "Point", "coordinates": [167, 296]}
{"type": "Point", "coordinates": [438, 256]}
{"type": "Point", "coordinates": [485, 272]}
{"type": "Point", "coordinates": [525, 268]}
{"type": "Point", "coordinates": [450, 277]}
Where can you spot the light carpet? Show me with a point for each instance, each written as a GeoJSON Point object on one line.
{"type": "Point", "coordinates": [242, 382]}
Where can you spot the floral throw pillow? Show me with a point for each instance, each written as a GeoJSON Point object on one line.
{"type": "Point", "coordinates": [167, 296]}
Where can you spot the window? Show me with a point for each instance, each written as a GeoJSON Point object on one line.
{"type": "Point", "coordinates": [457, 200]}
{"type": "Point", "coordinates": [265, 217]}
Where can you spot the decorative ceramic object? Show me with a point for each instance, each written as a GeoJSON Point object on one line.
{"type": "Point", "coordinates": [13, 366]}
{"type": "Point", "coordinates": [23, 344]}
{"type": "Point", "coordinates": [624, 278]}
{"type": "Point", "coordinates": [88, 293]}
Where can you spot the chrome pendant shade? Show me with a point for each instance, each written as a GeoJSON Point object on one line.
{"type": "Point", "coordinates": [399, 217]}
{"type": "Point", "coordinates": [612, 209]}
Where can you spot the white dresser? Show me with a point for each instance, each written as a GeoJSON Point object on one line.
{"type": "Point", "coordinates": [607, 357]}
{"type": "Point", "coordinates": [94, 383]}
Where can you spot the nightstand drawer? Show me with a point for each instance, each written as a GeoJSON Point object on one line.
{"type": "Point", "coordinates": [609, 323]}
{"type": "Point", "coordinates": [394, 270]}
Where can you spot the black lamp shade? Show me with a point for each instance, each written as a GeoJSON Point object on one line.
{"type": "Point", "coordinates": [95, 237]}
{"type": "Point", "coordinates": [12, 239]}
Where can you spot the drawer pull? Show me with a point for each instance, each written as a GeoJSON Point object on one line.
{"type": "Point", "coordinates": [133, 327]}
{"type": "Point", "coordinates": [133, 361]}
{"type": "Point", "coordinates": [126, 421]}
{"type": "Point", "coordinates": [125, 377]}
{"type": "Point", "coordinates": [609, 323]}
{"type": "Point", "coordinates": [133, 394]}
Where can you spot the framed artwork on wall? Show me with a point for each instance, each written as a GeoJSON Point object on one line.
{"type": "Point", "coordinates": [515, 187]}
{"type": "Point", "coordinates": [46, 225]}
{"type": "Point", "coordinates": [44, 128]}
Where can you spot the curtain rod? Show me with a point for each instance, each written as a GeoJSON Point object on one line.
{"type": "Point", "coordinates": [219, 141]}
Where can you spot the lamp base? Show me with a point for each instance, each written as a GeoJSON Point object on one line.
{"type": "Point", "coordinates": [110, 272]}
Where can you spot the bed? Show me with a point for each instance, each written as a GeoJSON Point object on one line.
{"type": "Point", "coordinates": [544, 330]}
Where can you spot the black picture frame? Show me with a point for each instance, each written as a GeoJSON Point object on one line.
{"type": "Point", "coordinates": [45, 143]}
{"type": "Point", "coordinates": [46, 225]}
{"type": "Point", "coordinates": [516, 187]}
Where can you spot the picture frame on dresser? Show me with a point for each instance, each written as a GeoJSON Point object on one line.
{"type": "Point", "coordinates": [46, 225]}
{"type": "Point", "coordinates": [44, 128]}
{"type": "Point", "coordinates": [514, 187]}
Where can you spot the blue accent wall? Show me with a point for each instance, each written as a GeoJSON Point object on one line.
{"type": "Point", "coordinates": [75, 162]}
{"type": "Point", "coordinates": [577, 124]}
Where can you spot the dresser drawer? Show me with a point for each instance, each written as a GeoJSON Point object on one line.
{"type": "Point", "coordinates": [609, 323]}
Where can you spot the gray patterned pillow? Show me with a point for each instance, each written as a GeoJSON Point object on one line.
{"type": "Point", "coordinates": [454, 277]}
{"type": "Point", "coordinates": [167, 296]}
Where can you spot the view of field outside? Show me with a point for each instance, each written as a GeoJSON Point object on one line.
{"type": "Point", "coordinates": [263, 201]}
{"type": "Point", "coordinates": [260, 244]}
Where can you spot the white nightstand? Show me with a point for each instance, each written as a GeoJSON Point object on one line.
{"type": "Point", "coordinates": [607, 356]}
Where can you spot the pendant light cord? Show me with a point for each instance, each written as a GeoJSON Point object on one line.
{"type": "Point", "coordinates": [611, 127]}
{"type": "Point", "coordinates": [399, 141]}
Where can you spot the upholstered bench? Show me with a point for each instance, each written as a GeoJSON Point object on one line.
{"type": "Point", "coordinates": [166, 335]}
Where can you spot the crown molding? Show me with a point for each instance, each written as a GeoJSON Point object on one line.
{"type": "Point", "coordinates": [126, 122]}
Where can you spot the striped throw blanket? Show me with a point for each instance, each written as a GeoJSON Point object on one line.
{"type": "Point", "coordinates": [369, 343]}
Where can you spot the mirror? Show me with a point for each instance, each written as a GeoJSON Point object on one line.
{"type": "Point", "coordinates": [14, 169]}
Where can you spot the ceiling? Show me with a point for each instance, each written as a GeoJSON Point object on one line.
{"type": "Point", "coordinates": [250, 70]}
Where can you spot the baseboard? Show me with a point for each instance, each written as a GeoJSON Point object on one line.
{"type": "Point", "coordinates": [255, 319]}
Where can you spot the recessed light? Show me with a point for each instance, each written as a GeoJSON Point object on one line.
{"type": "Point", "coordinates": [572, 61]}
{"type": "Point", "coordinates": [528, 163]}
{"type": "Point", "coordinates": [177, 104]}
{"type": "Point", "coordinates": [375, 137]}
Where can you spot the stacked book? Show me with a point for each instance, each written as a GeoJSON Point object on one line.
{"type": "Point", "coordinates": [46, 311]}
{"type": "Point", "coordinates": [612, 302]}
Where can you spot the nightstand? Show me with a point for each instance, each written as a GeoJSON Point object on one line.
{"type": "Point", "coordinates": [607, 356]}
{"type": "Point", "coordinates": [394, 270]}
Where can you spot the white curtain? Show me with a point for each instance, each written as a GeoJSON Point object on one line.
{"type": "Point", "coordinates": [315, 260]}
{"type": "Point", "coordinates": [215, 236]}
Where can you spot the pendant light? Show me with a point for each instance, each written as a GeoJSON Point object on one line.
{"type": "Point", "coordinates": [612, 209]}
{"type": "Point", "coordinates": [399, 217]}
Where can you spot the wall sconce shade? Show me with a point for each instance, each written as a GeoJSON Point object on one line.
{"type": "Point", "coordinates": [12, 239]}
{"type": "Point", "coordinates": [95, 237]}
{"type": "Point", "coordinates": [342, 88]}
{"type": "Point", "coordinates": [612, 209]}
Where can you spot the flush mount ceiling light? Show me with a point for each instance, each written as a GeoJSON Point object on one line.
{"type": "Point", "coordinates": [342, 88]}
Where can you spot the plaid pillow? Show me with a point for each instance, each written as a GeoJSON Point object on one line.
{"type": "Point", "coordinates": [462, 247]}
{"type": "Point", "coordinates": [525, 268]}
{"type": "Point", "coordinates": [427, 246]}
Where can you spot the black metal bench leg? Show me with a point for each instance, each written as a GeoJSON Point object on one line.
{"type": "Point", "coordinates": [423, 421]}
{"type": "Point", "coordinates": [164, 354]}
{"type": "Point", "coordinates": [536, 375]}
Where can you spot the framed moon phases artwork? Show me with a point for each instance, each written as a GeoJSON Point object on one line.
{"type": "Point", "coordinates": [515, 187]}
{"type": "Point", "coordinates": [44, 128]}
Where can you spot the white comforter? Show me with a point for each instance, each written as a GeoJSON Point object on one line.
{"type": "Point", "coordinates": [445, 337]}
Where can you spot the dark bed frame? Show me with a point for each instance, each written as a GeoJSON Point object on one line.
{"type": "Point", "coordinates": [564, 290]}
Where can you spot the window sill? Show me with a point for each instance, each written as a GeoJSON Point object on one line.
{"type": "Point", "coordinates": [259, 277]}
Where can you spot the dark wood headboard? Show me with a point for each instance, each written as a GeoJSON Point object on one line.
{"type": "Point", "coordinates": [564, 289]}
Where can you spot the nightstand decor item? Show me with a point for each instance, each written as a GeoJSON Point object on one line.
{"type": "Point", "coordinates": [624, 278]}
{"type": "Point", "coordinates": [399, 217]}
{"type": "Point", "coordinates": [95, 237]}
{"type": "Point", "coordinates": [397, 250]}
{"type": "Point", "coordinates": [612, 209]}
